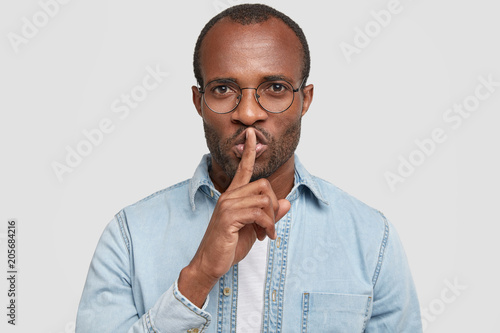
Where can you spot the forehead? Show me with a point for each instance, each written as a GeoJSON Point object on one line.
{"type": "Point", "coordinates": [249, 53]}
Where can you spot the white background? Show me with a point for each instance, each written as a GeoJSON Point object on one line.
{"type": "Point", "coordinates": [365, 114]}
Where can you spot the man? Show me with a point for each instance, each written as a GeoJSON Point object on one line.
{"type": "Point", "coordinates": [252, 242]}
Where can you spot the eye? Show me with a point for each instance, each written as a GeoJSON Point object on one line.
{"type": "Point", "coordinates": [277, 87]}
{"type": "Point", "coordinates": [220, 89]}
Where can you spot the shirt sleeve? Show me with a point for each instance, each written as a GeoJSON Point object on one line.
{"type": "Point", "coordinates": [107, 303]}
{"type": "Point", "coordinates": [395, 302]}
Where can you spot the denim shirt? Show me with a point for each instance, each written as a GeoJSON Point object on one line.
{"type": "Point", "coordinates": [337, 265]}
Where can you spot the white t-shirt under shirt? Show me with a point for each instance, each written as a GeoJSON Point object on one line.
{"type": "Point", "coordinates": [251, 283]}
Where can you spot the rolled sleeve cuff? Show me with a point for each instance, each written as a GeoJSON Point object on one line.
{"type": "Point", "coordinates": [173, 312]}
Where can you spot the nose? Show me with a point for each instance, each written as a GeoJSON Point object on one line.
{"type": "Point", "coordinates": [249, 110]}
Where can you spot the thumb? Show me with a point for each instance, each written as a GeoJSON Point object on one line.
{"type": "Point", "coordinates": [284, 207]}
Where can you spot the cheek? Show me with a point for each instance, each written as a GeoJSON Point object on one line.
{"type": "Point", "coordinates": [284, 124]}
{"type": "Point", "coordinates": [215, 124]}
{"type": "Point", "coordinates": [218, 131]}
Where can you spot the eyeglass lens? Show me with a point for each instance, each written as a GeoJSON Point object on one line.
{"type": "Point", "coordinates": [223, 96]}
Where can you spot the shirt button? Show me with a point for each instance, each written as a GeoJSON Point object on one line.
{"type": "Point", "coordinates": [227, 291]}
{"type": "Point", "coordinates": [211, 193]}
{"type": "Point", "coordinates": [278, 242]}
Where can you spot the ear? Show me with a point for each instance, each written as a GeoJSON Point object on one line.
{"type": "Point", "coordinates": [197, 99]}
{"type": "Point", "coordinates": [307, 98]}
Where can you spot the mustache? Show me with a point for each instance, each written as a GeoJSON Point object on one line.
{"type": "Point", "coordinates": [242, 129]}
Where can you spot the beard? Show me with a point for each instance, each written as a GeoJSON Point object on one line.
{"type": "Point", "coordinates": [279, 150]}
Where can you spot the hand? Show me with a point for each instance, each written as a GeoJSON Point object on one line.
{"type": "Point", "coordinates": [244, 212]}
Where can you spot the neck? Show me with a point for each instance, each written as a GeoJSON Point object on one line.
{"type": "Point", "coordinates": [281, 180]}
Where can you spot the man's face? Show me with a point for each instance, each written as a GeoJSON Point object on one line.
{"type": "Point", "coordinates": [249, 54]}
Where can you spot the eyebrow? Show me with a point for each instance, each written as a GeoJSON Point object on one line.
{"type": "Point", "coordinates": [225, 79]}
{"type": "Point", "coordinates": [266, 78]}
{"type": "Point", "coordinates": [278, 77]}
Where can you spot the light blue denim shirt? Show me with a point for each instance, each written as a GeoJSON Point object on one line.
{"type": "Point", "coordinates": [336, 266]}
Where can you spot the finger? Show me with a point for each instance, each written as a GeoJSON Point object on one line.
{"type": "Point", "coordinates": [247, 162]}
{"type": "Point", "coordinates": [284, 207]}
{"type": "Point", "coordinates": [258, 187]}
{"type": "Point", "coordinates": [259, 217]}
{"type": "Point", "coordinates": [261, 201]}
{"type": "Point", "coordinates": [260, 232]}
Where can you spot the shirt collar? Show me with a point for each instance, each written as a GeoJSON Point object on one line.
{"type": "Point", "coordinates": [303, 179]}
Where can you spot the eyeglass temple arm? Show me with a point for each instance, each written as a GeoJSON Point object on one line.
{"type": "Point", "coordinates": [301, 84]}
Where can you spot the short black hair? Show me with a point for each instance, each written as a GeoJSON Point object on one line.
{"type": "Point", "coordinates": [246, 14]}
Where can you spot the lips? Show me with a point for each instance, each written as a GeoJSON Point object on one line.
{"type": "Point", "coordinates": [239, 145]}
{"type": "Point", "coordinates": [259, 149]}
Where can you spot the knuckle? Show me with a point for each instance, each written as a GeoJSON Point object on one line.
{"type": "Point", "coordinates": [264, 184]}
{"type": "Point", "coordinates": [224, 205]}
{"type": "Point", "coordinates": [266, 200]}
{"type": "Point", "coordinates": [275, 204]}
{"type": "Point", "coordinates": [257, 213]}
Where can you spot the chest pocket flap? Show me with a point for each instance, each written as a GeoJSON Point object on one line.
{"type": "Point", "coordinates": [335, 313]}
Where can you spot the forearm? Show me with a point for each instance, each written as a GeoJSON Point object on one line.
{"type": "Point", "coordinates": [109, 303]}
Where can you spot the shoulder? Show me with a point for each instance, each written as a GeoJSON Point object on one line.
{"type": "Point", "coordinates": [350, 213]}
{"type": "Point", "coordinates": [339, 199]}
{"type": "Point", "coordinates": [174, 191]}
{"type": "Point", "coordinates": [156, 205]}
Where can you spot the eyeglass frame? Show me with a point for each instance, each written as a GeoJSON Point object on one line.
{"type": "Point", "coordinates": [255, 95]}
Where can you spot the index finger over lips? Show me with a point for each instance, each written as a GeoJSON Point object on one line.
{"type": "Point", "coordinates": [247, 162]}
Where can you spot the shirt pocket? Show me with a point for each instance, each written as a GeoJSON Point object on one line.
{"type": "Point", "coordinates": [335, 313]}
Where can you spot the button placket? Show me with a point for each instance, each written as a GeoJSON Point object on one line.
{"type": "Point", "coordinates": [274, 290]}
{"type": "Point", "coordinates": [227, 301]}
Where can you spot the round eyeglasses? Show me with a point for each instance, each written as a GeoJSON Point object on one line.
{"type": "Point", "coordinates": [274, 96]}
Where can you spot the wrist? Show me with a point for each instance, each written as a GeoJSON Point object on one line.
{"type": "Point", "coordinates": [195, 285]}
